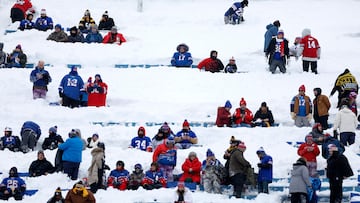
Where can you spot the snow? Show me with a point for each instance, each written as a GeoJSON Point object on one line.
{"type": "Point", "coordinates": [170, 94]}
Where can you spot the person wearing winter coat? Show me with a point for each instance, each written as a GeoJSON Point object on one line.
{"type": "Point", "coordinates": [97, 92]}
{"type": "Point", "coordinates": [321, 105]}
{"type": "Point", "coordinates": [265, 175]}
{"type": "Point", "coordinates": [352, 102]}
{"type": "Point", "coordinates": [224, 117]}
{"type": "Point", "coordinates": [278, 53]}
{"type": "Point", "coordinates": [141, 141]}
{"type": "Point", "coordinates": [182, 194]}
{"type": "Point", "coordinates": [212, 64]}
{"type": "Point", "coordinates": [231, 66]}
{"type": "Point", "coordinates": [17, 58]}
{"type": "Point", "coordinates": [346, 122]}
{"type": "Point", "coordinates": [301, 108]}
{"type": "Point", "coordinates": [119, 177]}
{"type": "Point", "coordinates": [338, 169]}
{"type": "Point", "coordinates": [72, 155]}
{"type": "Point", "coordinates": [52, 142]}
{"type": "Point", "coordinates": [3, 56]}
{"type": "Point", "coordinates": [27, 24]}
{"type": "Point", "coordinates": [271, 32]}
{"type": "Point", "coordinates": [86, 22]}
{"type": "Point", "coordinates": [13, 186]}
{"type": "Point", "coordinates": [20, 10]}
{"type": "Point", "coordinates": [294, 49]}
{"type": "Point", "coordinates": [154, 178]}
{"type": "Point", "coordinates": [79, 194]}
{"type": "Point", "coordinates": [97, 168]}
{"type": "Point", "coordinates": [299, 182]}
{"type": "Point", "coordinates": [331, 140]}
{"type": "Point", "coordinates": [238, 169]}
{"type": "Point", "coordinates": [309, 150]}
{"type": "Point", "coordinates": [41, 166]}
{"type": "Point", "coordinates": [310, 51]}
{"type": "Point", "coordinates": [94, 36]}
{"type": "Point", "coordinates": [57, 197]}
{"type": "Point", "coordinates": [75, 35]}
{"type": "Point", "coordinates": [114, 37]}
{"type": "Point", "coordinates": [30, 134]}
{"type": "Point", "coordinates": [58, 35]}
{"type": "Point", "coordinates": [212, 173]}
{"type": "Point", "coordinates": [317, 134]}
{"type": "Point", "coordinates": [136, 177]}
{"type": "Point", "coordinates": [344, 84]}
{"type": "Point", "coordinates": [40, 79]}
{"type": "Point", "coordinates": [70, 88]}
{"type": "Point", "coordinates": [263, 117]}
{"type": "Point", "coordinates": [165, 155]}
{"type": "Point", "coordinates": [9, 141]}
{"type": "Point", "coordinates": [106, 23]}
{"type": "Point", "coordinates": [191, 169]}
{"type": "Point", "coordinates": [92, 141]}
{"type": "Point", "coordinates": [243, 116]}
{"type": "Point", "coordinates": [185, 138]}
{"type": "Point", "coordinates": [182, 58]}
{"type": "Point", "coordinates": [235, 14]}
{"type": "Point", "coordinates": [163, 133]}
{"type": "Point", "coordinates": [44, 23]}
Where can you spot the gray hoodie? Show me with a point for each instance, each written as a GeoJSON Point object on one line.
{"type": "Point", "coordinates": [300, 179]}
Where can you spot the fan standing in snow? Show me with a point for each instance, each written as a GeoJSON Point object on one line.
{"type": "Point", "coordinates": [265, 171]}
{"type": "Point", "coordinates": [97, 168]}
{"type": "Point", "coordinates": [141, 141]}
{"type": "Point", "coordinates": [321, 108]}
{"type": "Point", "coordinates": [310, 51]}
{"type": "Point", "coordinates": [185, 138]}
{"type": "Point", "coordinates": [44, 23]}
{"type": "Point", "coordinates": [106, 23]}
{"type": "Point", "coordinates": [165, 155]}
{"type": "Point", "coordinates": [299, 181]}
{"type": "Point", "coordinates": [263, 117]}
{"type": "Point", "coordinates": [114, 37]}
{"type": "Point", "coordinates": [278, 52]}
{"type": "Point", "coordinates": [271, 32]}
{"type": "Point", "coordinates": [13, 186]}
{"type": "Point", "coordinates": [344, 84]}
{"type": "Point", "coordinates": [301, 108]}
{"type": "Point", "coordinates": [235, 14]}
{"type": "Point", "coordinates": [212, 64]}
{"type": "Point", "coordinates": [119, 177]}
{"type": "Point", "coordinates": [70, 87]}
{"type": "Point", "coordinates": [224, 117]}
{"type": "Point", "coordinates": [40, 78]}
{"type": "Point", "coordinates": [41, 166]}
{"type": "Point", "coordinates": [182, 58]}
{"type": "Point", "coordinates": [9, 141]}
{"type": "Point", "coordinates": [86, 22]}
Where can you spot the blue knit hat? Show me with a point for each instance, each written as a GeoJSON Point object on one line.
{"type": "Point", "coordinates": [209, 153]}
{"type": "Point", "coordinates": [53, 129]}
{"type": "Point", "coordinates": [228, 104]}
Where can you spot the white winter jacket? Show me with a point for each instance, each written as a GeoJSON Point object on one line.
{"type": "Point", "coordinates": [345, 120]}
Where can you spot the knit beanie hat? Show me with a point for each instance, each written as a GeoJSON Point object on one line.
{"type": "Point", "coordinates": [209, 153]}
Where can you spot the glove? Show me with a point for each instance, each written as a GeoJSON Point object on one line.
{"type": "Point", "coordinates": [259, 165]}
{"type": "Point", "coordinates": [309, 117]}
{"type": "Point", "coordinates": [61, 94]}
{"type": "Point", "coordinates": [293, 115]}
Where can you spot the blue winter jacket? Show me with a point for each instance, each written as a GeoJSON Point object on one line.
{"type": "Point", "coordinates": [265, 169]}
{"type": "Point", "coordinates": [119, 175]}
{"type": "Point", "coordinates": [29, 125]}
{"type": "Point", "coordinates": [190, 133]}
{"type": "Point", "coordinates": [72, 148]}
{"type": "Point", "coordinates": [71, 85]}
{"type": "Point", "coordinates": [94, 37]}
{"type": "Point", "coordinates": [271, 31]}
{"type": "Point", "coordinates": [181, 59]}
{"type": "Point", "coordinates": [236, 8]}
{"type": "Point", "coordinates": [26, 24]}
{"type": "Point", "coordinates": [40, 82]}
{"type": "Point", "coordinates": [44, 23]}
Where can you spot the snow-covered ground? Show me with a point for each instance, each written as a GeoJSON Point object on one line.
{"type": "Point", "coordinates": [170, 94]}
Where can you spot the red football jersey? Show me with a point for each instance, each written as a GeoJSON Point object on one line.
{"type": "Point", "coordinates": [311, 45]}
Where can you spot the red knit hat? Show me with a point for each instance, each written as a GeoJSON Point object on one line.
{"type": "Point", "coordinates": [302, 88]}
{"type": "Point", "coordinates": [186, 123]}
{"type": "Point", "coordinates": [242, 145]}
{"type": "Point", "coordinates": [242, 102]}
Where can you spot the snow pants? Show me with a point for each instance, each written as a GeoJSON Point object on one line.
{"type": "Point", "coordinates": [28, 140]}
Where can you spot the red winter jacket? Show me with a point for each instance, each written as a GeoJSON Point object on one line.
{"type": "Point", "coordinates": [97, 98]}
{"type": "Point", "coordinates": [223, 117]}
{"type": "Point", "coordinates": [212, 65]}
{"type": "Point", "coordinates": [247, 118]}
{"type": "Point", "coordinates": [161, 149]}
{"type": "Point", "coordinates": [309, 155]}
{"type": "Point", "coordinates": [119, 39]}
{"type": "Point", "coordinates": [195, 165]}
{"type": "Point", "coordinates": [24, 7]}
